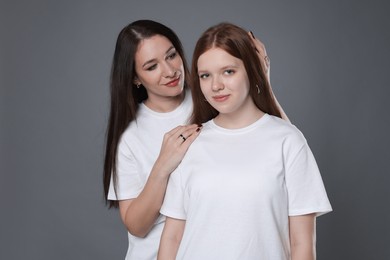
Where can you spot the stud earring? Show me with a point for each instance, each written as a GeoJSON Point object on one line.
{"type": "Point", "coordinates": [138, 85]}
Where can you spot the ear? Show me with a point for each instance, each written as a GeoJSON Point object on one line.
{"type": "Point", "coordinates": [136, 81]}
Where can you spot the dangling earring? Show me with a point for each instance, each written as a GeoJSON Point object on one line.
{"type": "Point", "coordinates": [258, 89]}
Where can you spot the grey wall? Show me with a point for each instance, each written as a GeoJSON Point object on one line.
{"type": "Point", "coordinates": [329, 66]}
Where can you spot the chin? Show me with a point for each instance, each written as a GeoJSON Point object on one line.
{"type": "Point", "coordinates": [177, 91]}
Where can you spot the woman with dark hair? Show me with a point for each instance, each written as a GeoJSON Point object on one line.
{"type": "Point", "coordinates": [147, 135]}
{"type": "Point", "coordinates": [149, 97]}
{"type": "Point", "coordinates": [249, 186]}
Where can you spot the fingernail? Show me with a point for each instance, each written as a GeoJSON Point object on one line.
{"type": "Point", "coordinates": [199, 125]}
{"type": "Point", "coordinates": [198, 129]}
{"type": "Point", "coordinates": [252, 34]}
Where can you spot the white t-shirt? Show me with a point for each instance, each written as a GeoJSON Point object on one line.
{"type": "Point", "coordinates": [138, 150]}
{"type": "Point", "coordinates": [237, 188]}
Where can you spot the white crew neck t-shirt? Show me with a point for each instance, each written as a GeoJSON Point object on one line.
{"type": "Point", "coordinates": [236, 189]}
{"type": "Point", "coordinates": [138, 150]}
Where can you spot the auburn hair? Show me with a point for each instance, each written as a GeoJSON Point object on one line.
{"type": "Point", "coordinates": [235, 41]}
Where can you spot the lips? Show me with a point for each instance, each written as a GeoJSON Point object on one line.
{"type": "Point", "coordinates": [220, 98]}
{"type": "Point", "coordinates": [173, 83]}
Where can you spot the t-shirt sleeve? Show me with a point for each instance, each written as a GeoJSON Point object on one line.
{"type": "Point", "coordinates": [129, 184]}
{"type": "Point", "coordinates": [306, 191]}
{"type": "Point", "coordinates": [173, 205]}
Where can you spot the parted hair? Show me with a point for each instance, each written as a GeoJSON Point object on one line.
{"type": "Point", "coordinates": [235, 41]}
{"type": "Point", "coordinates": [125, 95]}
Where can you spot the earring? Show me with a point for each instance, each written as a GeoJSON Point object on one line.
{"type": "Point", "coordinates": [138, 85]}
{"type": "Point", "coordinates": [258, 89]}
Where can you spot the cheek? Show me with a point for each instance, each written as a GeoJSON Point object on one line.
{"type": "Point", "coordinates": [178, 63]}
{"type": "Point", "coordinates": [149, 78]}
{"type": "Point", "coordinates": [203, 87]}
{"type": "Point", "coordinates": [241, 84]}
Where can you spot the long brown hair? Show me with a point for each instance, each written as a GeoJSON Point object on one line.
{"type": "Point", "coordinates": [125, 96]}
{"type": "Point", "coordinates": [235, 41]}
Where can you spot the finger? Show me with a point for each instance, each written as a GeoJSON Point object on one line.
{"type": "Point", "coordinates": [189, 128]}
{"type": "Point", "coordinates": [182, 138]}
{"type": "Point", "coordinates": [251, 34]}
{"type": "Point", "coordinates": [259, 47]}
{"type": "Point", "coordinates": [258, 44]}
{"type": "Point", "coordinates": [181, 133]}
{"type": "Point", "coordinates": [190, 131]}
{"type": "Point", "coordinates": [262, 53]}
{"type": "Point", "coordinates": [191, 138]}
{"type": "Point", "coordinates": [175, 132]}
{"type": "Point", "coordinates": [190, 135]}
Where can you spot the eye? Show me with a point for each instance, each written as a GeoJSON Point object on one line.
{"type": "Point", "coordinates": [204, 76]}
{"type": "Point", "coordinates": [153, 67]}
{"type": "Point", "coordinates": [229, 71]}
{"type": "Point", "coordinates": [172, 55]}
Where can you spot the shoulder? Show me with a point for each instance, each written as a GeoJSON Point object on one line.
{"type": "Point", "coordinates": [128, 136]}
{"type": "Point", "coordinates": [208, 130]}
{"type": "Point", "coordinates": [289, 132]}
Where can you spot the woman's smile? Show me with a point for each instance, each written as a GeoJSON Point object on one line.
{"type": "Point", "coordinates": [173, 83]}
{"type": "Point", "coordinates": [221, 98]}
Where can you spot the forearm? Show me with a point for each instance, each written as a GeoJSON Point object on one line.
{"type": "Point", "coordinates": [303, 252]}
{"type": "Point", "coordinates": [171, 239]}
{"type": "Point", "coordinates": [141, 214]}
{"type": "Point", "coordinates": [168, 249]}
{"type": "Point", "coordinates": [282, 113]}
{"type": "Point", "coordinates": [265, 61]}
{"type": "Point", "coordinates": [303, 237]}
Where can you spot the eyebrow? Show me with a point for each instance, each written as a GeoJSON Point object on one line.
{"type": "Point", "coordinates": [154, 60]}
{"type": "Point", "coordinates": [234, 66]}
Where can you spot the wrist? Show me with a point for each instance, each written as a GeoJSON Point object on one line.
{"type": "Point", "coordinates": [159, 172]}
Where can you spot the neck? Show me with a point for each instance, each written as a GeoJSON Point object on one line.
{"type": "Point", "coordinates": [240, 119]}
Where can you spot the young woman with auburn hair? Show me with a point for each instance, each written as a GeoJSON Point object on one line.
{"type": "Point", "coordinates": [249, 186]}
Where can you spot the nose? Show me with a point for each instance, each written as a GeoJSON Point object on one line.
{"type": "Point", "coordinates": [169, 70]}
{"type": "Point", "coordinates": [217, 85]}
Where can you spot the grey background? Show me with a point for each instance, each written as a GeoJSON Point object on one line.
{"type": "Point", "coordinates": [329, 67]}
